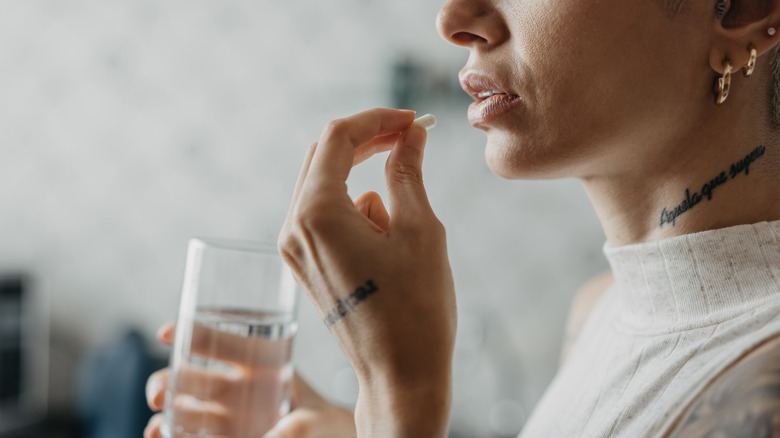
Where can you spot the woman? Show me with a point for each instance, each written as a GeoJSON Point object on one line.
{"type": "Point", "coordinates": [683, 337]}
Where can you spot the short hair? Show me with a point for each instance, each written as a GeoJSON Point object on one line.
{"type": "Point", "coordinates": [774, 87]}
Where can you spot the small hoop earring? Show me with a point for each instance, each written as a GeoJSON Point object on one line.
{"type": "Point", "coordinates": [771, 31]}
{"type": "Point", "coordinates": [724, 84]}
{"type": "Point", "coordinates": [747, 70]}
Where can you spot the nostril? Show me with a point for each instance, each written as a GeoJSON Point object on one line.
{"type": "Point", "coordinates": [466, 38]}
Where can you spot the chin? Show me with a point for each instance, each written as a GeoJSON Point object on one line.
{"type": "Point", "coordinates": [512, 158]}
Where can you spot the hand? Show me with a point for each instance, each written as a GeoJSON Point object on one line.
{"type": "Point", "coordinates": [311, 417]}
{"type": "Point", "coordinates": [381, 281]}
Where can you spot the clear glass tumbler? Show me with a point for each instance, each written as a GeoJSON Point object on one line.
{"type": "Point", "coordinates": [230, 372]}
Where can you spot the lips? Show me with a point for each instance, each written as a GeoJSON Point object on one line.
{"type": "Point", "coordinates": [491, 99]}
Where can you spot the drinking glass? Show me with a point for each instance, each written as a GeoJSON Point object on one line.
{"type": "Point", "coordinates": [230, 372]}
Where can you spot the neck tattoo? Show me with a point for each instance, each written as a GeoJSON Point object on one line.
{"type": "Point", "coordinates": [692, 199]}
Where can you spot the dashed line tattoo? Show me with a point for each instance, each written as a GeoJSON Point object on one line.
{"type": "Point", "coordinates": [707, 190]}
{"type": "Point", "coordinates": [347, 305]}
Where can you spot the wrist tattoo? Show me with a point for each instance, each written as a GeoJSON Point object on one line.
{"type": "Point", "coordinates": [347, 305]}
{"type": "Point", "coordinates": [691, 199]}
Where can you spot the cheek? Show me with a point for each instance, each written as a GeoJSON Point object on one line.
{"type": "Point", "coordinates": [556, 54]}
{"type": "Point", "coordinates": [594, 79]}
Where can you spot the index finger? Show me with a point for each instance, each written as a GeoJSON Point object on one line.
{"type": "Point", "coordinates": [336, 150]}
{"type": "Point", "coordinates": [207, 342]}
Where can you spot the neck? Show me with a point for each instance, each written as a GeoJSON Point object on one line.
{"type": "Point", "coordinates": [723, 174]}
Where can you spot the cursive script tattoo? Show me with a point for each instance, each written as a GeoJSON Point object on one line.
{"type": "Point", "coordinates": [343, 307]}
{"type": "Point", "coordinates": [743, 402]}
{"type": "Point", "coordinates": [693, 198]}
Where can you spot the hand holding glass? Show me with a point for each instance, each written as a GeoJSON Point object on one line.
{"type": "Point", "coordinates": [230, 366]}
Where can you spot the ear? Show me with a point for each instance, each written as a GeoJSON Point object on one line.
{"type": "Point", "coordinates": [745, 24]}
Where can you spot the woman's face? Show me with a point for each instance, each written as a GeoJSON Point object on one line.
{"type": "Point", "coordinates": [589, 86]}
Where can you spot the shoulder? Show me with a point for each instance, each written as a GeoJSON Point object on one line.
{"type": "Point", "coordinates": [584, 301]}
{"type": "Point", "coordinates": [744, 401]}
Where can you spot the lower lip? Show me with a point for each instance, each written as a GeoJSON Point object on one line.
{"type": "Point", "coordinates": [490, 109]}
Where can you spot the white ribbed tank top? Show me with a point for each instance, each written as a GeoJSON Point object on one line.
{"type": "Point", "coordinates": [680, 311]}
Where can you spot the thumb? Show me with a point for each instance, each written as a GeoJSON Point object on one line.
{"type": "Point", "coordinates": [370, 204]}
{"type": "Point", "coordinates": [300, 423]}
{"type": "Point", "coordinates": [403, 174]}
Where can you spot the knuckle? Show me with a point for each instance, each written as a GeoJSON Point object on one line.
{"type": "Point", "coordinates": [440, 231]}
{"type": "Point", "coordinates": [311, 149]}
{"type": "Point", "coordinates": [335, 128]}
{"type": "Point", "coordinates": [309, 154]}
{"type": "Point", "coordinates": [313, 217]}
{"type": "Point", "coordinates": [286, 242]}
{"type": "Point", "coordinates": [406, 173]}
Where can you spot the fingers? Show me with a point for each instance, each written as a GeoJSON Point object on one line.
{"type": "Point", "coordinates": [191, 415]}
{"type": "Point", "coordinates": [166, 333]}
{"type": "Point", "coordinates": [403, 172]}
{"type": "Point", "coordinates": [302, 175]}
{"type": "Point", "coordinates": [155, 389]}
{"type": "Point", "coordinates": [227, 347]}
{"type": "Point", "coordinates": [267, 384]}
{"type": "Point", "coordinates": [298, 424]}
{"type": "Point", "coordinates": [211, 343]}
{"type": "Point", "coordinates": [216, 401]}
{"type": "Point", "coordinates": [376, 145]}
{"type": "Point", "coordinates": [371, 205]}
{"type": "Point", "coordinates": [152, 429]}
{"type": "Point", "coordinates": [325, 422]}
{"type": "Point", "coordinates": [335, 153]}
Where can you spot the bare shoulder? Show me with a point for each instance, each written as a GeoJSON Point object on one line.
{"type": "Point", "coordinates": [744, 401]}
{"type": "Point", "coordinates": [584, 301]}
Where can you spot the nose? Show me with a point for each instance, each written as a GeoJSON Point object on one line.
{"type": "Point", "coordinates": [471, 23]}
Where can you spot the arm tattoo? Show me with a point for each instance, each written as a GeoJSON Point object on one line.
{"type": "Point", "coordinates": [691, 199]}
{"type": "Point", "coordinates": [343, 307]}
{"type": "Point", "coordinates": [743, 402]}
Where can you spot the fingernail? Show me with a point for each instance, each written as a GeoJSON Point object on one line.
{"type": "Point", "coordinates": [165, 333]}
{"type": "Point", "coordinates": [153, 393]}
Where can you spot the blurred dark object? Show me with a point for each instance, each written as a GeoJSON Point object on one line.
{"type": "Point", "coordinates": [11, 358]}
{"type": "Point", "coordinates": [54, 426]}
{"type": "Point", "coordinates": [22, 355]}
{"type": "Point", "coordinates": [111, 384]}
{"type": "Point", "coordinates": [406, 83]}
{"type": "Point", "coordinates": [423, 85]}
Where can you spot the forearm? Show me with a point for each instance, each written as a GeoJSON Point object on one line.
{"type": "Point", "coordinates": [411, 409]}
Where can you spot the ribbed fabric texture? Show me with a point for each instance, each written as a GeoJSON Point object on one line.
{"type": "Point", "coordinates": [680, 311]}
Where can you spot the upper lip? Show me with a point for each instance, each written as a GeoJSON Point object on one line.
{"type": "Point", "coordinates": [475, 83]}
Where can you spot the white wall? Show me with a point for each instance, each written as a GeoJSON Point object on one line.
{"type": "Point", "coordinates": [128, 126]}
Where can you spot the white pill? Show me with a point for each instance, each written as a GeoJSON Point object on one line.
{"type": "Point", "coordinates": [427, 121]}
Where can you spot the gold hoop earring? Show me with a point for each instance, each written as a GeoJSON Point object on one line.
{"type": "Point", "coordinates": [747, 70]}
{"type": "Point", "coordinates": [724, 84]}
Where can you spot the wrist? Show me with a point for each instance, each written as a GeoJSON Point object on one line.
{"type": "Point", "coordinates": [408, 406]}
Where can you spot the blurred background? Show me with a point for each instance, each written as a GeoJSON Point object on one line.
{"type": "Point", "coordinates": [127, 127]}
